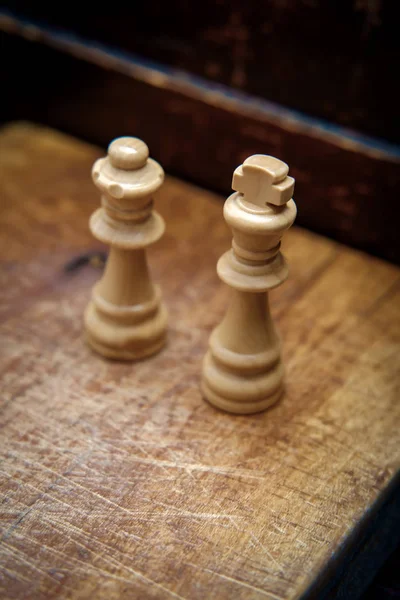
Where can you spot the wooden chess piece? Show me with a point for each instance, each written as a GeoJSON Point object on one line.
{"type": "Point", "coordinates": [242, 371]}
{"type": "Point", "coordinates": [126, 318]}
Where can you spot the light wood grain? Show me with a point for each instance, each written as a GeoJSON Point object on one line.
{"type": "Point", "coordinates": [118, 481]}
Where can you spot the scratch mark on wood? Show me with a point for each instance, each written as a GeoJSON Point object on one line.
{"type": "Point", "coordinates": [20, 557]}
{"type": "Point", "coordinates": [8, 532]}
{"type": "Point", "coordinates": [242, 583]}
{"type": "Point", "coordinates": [235, 524]}
{"type": "Point", "coordinates": [15, 574]}
{"type": "Point", "coordinates": [111, 560]}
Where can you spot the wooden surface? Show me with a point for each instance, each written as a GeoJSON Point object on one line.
{"type": "Point", "coordinates": [118, 480]}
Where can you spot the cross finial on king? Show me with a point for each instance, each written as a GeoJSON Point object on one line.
{"type": "Point", "coordinates": [263, 180]}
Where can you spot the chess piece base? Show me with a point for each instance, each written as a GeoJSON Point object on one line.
{"type": "Point", "coordinates": [239, 408]}
{"type": "Point", "coordinates": [124, 341]}
{"type": "Point", "coordinates": [127, 355]}
{"type": "Point", "coordinates": [243, 392]}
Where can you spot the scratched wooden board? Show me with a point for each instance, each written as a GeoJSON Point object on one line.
{"type": "Point", "coordinates": [118, 480]}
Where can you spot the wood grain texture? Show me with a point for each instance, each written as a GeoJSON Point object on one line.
{"type": "Point", "coordinates": [118, 480]}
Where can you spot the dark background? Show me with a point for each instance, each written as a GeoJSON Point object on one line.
{"type": "Point", "coordinates": [311, 82]}
{"type": "Point", "coordinates": [332, 59]}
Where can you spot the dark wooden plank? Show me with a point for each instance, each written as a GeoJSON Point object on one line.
{"type": "Point", "coordinates": [346, 188]}
{"type": "Point", "coordinates": [333, 59]}
{"type": "Point", "coordinates": [118, 480]}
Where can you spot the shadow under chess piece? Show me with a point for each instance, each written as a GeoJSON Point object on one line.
{"type": "Point", "coordinates": [126, 318]}
{"type": "Point", "coordinates": [242, 371]}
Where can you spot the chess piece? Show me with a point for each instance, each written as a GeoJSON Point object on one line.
{"type": "Point", "coordinates": [242, 370]}
{"type": "Point", "coordinates": [126, 318]}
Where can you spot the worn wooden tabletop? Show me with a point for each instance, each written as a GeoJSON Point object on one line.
{"type": "Point", "coordinates": [118, 480]}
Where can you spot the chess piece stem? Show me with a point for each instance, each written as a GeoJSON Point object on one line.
{"type": "Point", "coordinates": [126, 318]}
{"type": "Point", "coordinates": [242, 371]}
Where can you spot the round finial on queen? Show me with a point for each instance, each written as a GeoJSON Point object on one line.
{"type": "Point", "coordinates": [128, 153]}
